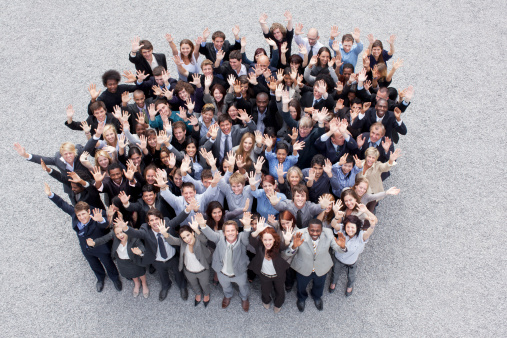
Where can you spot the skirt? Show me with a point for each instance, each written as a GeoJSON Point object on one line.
{"type": "Point", "coordinates": [129, 269]}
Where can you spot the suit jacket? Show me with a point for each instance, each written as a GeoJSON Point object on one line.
{"type": "Point", "coordinates": [209, 50]}
{"type": "Point", "coordinates": [133, 110]}
{"type": "Point", "coordinates": [131, 243]}
{"type": "Point", "coordinates": [148, 83]}
{"type": "Point", "coordinates": [236, 134]}
{"type": "Point", "coordinates": [92, 230]}
{"type": "Point", "coordinates": [143, 65]}
{"type": "Point", "coordinates": [150, 240]}
{"type": "Point", "coordinates": [142, 208]}
{"type": "Point", "coordinates": [272, 118]}
{"type": "Point", "coordinates": [201, 250]}
{"type": "Point", "coordinates": [304, 257]}
{"type": "Point", "coordinates": [89, 195]}
{"type": "Point", "coordinates": [112, 190]}
{"type": "Point", "coordinates": [307, 101]}
{"type": "Point", "coordinates": [279, 260]}
{"type": "Point", "coordinates": [93, 123]}
{"type": "Point", "coordinates": [239, 257]}
{"type": "Point", "coordinates": [389, 122]}
{"type": "Point", "coordinates": [327, 149]}
{"type": "Point", "coordinates": [365, 96]}
{"type": "Point", "coordinates": [383, 157]}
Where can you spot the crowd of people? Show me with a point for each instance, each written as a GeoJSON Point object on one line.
{"type": "Point", "coordinates": [240, 167]}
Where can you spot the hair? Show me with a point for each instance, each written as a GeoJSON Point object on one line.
{"type": "Point", "coordinates": [190, 43]}
{"type": "Point", "coordinates": [190, 140]}
{"type": "Point", "coordinates": [236, 55]}
{"type": "Point", "coordinates": [241, 151]}
{"type": "Point", "coordinates": [114, 166]}
{"type": "Point", "coordinates": [295, 58]}
{"type": "Point", "coordinates": [206, 173]}
{"type": "Point", "coordinates": [231, 223]}
{"type": "Point", "coordinates": [315, 221]}
{"type": "Point", "coordinates": [279, 26]}
{"type": "Point", "coordinates": [236, 178]}
{"type": "Point", "coordinates": [206, 62]}
{"type": "Point", "coordinates": [393, 93]}
{"type": "Point", "coordinates": [133, 151]}
{"type": "Point", "coordinates": [275, 249]}
{"type": "Point", "coordinates": [187, 185]}
{"type": "Point", "coordinates": [295, 170]}
{"type": "Point", "coordinates": [280, 145]}
{"type": "Point", "coordinates": [348, 66]}
{"type": "Point", "coordinates": [222, 90]}
{"type": "Point", "coordinates": [154, 212]}
{"type": "Point", "coordinates": [306, 122]}
{"type": "Point", "coordinates": [102, 153]}
{"type": "Point", "coordinates": [328, 217]}
{"type": "Point", "coordinates": [350, 159]}
{"type": "Point", "coordinates": [318, 159]}
{"type": "Point", "coordinates": [145, 45]}
{"type": "Point", "coordinates": [322, 50]}
{"type": "Point", "coordinates": [68, 146]}
{"type": "Point", "coordinates": [378, 125]}
{"type": "Point", "coordinates": [356, 100]}
{"type": "Point", "coordinates": [269, 179]}
{"type": "Point", "coordinates": [360, 180]}
{"type": "Point", "coordinates": [182, 85]}
{"type": "Point", "coordinates": [113, 128]}
{"type": "Point", "coordinates": [259, 51]}
{"type": "Point", "coordinates": [208, 107]}
{"type": "Point", "coordinates": [157, 71]}
{"type": "Point", "coordinates": [349, 192]}
{"type": "Point", "coordinates": [149, 167]}
{"type": "Point", "coordinates": [80, 206]}
{"type": "Point", "coordinates": [158, 102]}
{"type": "Point", "coordinates": [218, 34]}
{"type": "Point", "coordinates": [210, 221]}
{"type": "Point", "coordinates": [371, 151]}
{"type": "Point", "coordinates": [185, 228]}
{"type": "Point", "coordinates": [355, 220]}
{"type": "Point", "coordinates": [299, 188]}
{"type": "Point", "coordinates": [149, 133]}
{"type": "Point", "coordinates": [295, 103]}
{"type": "Point", "coordinates": [97, 105]}
{"type": "Point", "coordinates": [179, 124]}
{"type": "Point", "coordinates": [270, 131]}
{"type": "Point", "coordinates": [286, 215]}
{"type": "Point", "coordinates": [382, 70]}
{"type": "Point", "coordinates": [111, 75]}
{"type": "Point", "coordinates": [148, 187]}
{"type": "Point", "coordinates": [223, 118]}
{"type": "Point", "coordinates": [347, 37]}
{"type": "Point", "coordinates": [378, 43]}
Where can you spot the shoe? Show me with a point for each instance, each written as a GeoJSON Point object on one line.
{"type": "Point", "coordinates": [245, 304]}
{"type": "Point", "coordinates": [277, 309]}
{"type": "Point", "coordinates": [266, 306]}
{"type": "Point", "coordinates": [301, 305]}
{"type": "Point", "coordinates": [332, 290]}
{"type": "Point", "coordinates": [184, 293]}
{"type": "Point", "coordinates": [319, 304]}
{"type": "Point", "coordinates": [196, 302]}
{"type": "Point", "coordinates": [100, 285]}
{"type": "Point", "coordinates": [206, 302]}
{"type": "Point", "coordinates": [152, 269]}
{"type": "Point", "coordinates": [215, 283]}
{"type": "Point", "coordinates": [117, 285]}
{"type": "Point", "coordinates": [288, 288]}
{"type": "Point", "coordinates": [146, 293]}
{"type": "Point", "coordinates": [226, 302]}
{"type": "Point", "coordinates": [135, 293]}
{"type": "Point", "coordinates": [347, 294]}
{"type": "Point", "coordinates": [163, 293]}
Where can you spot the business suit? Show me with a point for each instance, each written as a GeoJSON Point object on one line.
{"type": "Point", "coordinates": [307, 100]}
{"type": "Point", "coordinates": [142, 208]}
{"type": "Point", "coordinates": [240, 261]}
{"type": "Point", "coordinates": [271, 117]}
{"type": "Point", "coordinates": [389, 122]}
{"type": "Point", "coordinates": [133, 110]}
{"type": "Point", "coordinates": [383, 156]}
{"type": "Point", "coordinates": [365, 96]}
{"type": "Point", "coordinates": [143, 65]}
{"type": "Point", "coordinates": [147, 84]}
{"type": "Point", "coordinates": [226, 70]}
{"type": "Point", "coordinates": [235, 135]}
{"type": "Point", "coordinates": [151, 245]}
{"type": "Point", "coordinates": [97, 258]}
{"type": "Point", "coordinates": [93, 123]}
{"type": "Point", "coordinates": [327, 148]}
{"type": "Point", "coordinates": [208, 50]}
{"type": "Point", "coordinates": [311, 265]}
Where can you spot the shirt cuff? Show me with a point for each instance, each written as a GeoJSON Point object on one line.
{"type": "Point", "coordinates": [29, 157]}
{"type": "Point", "coordinates": [52, 195]}
{"type": "Point", "coordinates": [399, 122]}
{"type": "Point", "coordinates": [324, 137]}
{"type": "Point", "coordinates": [360, 116]}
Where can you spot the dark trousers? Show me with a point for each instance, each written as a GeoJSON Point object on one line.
{"type": "Point", "coordinates": [290, 277]}
{"type": "Point", "coordinates": [163, 271]}
{"type": "Point", "coordinates": [100, 261]}
{"type": "Point", "coordinates": [317, 289]}
{"type": "Point", "coordinates": [268, 284]}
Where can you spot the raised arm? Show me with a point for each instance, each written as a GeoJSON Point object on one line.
{"type": "Point", "coordinates": [262, 22]}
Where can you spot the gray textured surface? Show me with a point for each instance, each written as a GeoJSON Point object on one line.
{"type": "Point", "coordinates": [436, 264]}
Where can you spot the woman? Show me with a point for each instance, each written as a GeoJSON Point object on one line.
{"type": "Point", "coordinates": [355, 241]}
{"type": "Point", "coordinates": [264, 207]}
{"type": "Point", "coordinates": [372, 169]}
{"type": "Point", "coordinates": [294, 177]}
{"type": "Point", "coordinates": [102, 160]}
{"type": "Point", "coordinates": [349, 205]}
{"type": "Point", "coordinates": [206, 120]}
{"type": "Point", "coordinates": [188, 54]}
{"type": "Point", "coordinates": [248, 150]}
{"type": "Point", "coordinates": [195, 257]}
{"type": "Point", "coordinates": [326, 216]}
{"type": "Point", "coordinates": [217, 96]}
{"type": "Point", "coordinates": [127, 253]}
{"type": "Point", "coordinates": [269, 264]}
{"type": "Point", "coordinates": [320, 64]}
{"type": "Point", "coordinates": [150, 175]}
{"type": "Point", "coordinates": [377, 53]}
{"type": "Point", "coordinates": [187, 97]}
{"type": "Point", "coordinates": [361, 186]}
{"type": "Point", "coordinates": [197, 162]}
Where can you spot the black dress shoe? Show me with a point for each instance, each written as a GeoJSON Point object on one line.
{"type": "Point", "coordinates": [319, 304]}
{"type": "Point", "coordinates": [301, 305]}
{"type": "Point", "coordinates": [117, 285]}
{"type": "Point", "coordinates": [152, 269]}
{"type": "Point", "coordinates": [163, 294]}
{"type": "Point", "coordinates": [100, 285]}
{"type": "Point", "coordinates": [197, 302]}
{"type": "Point", "coordinates": [184, 293]}
{"type": "Point", "coordinates": [288, 288]}
{"type": "Point", "coordinates": [205, 303]}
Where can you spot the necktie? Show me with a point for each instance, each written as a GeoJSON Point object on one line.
{"type": "Point", "coordinates": [314, 247]}
{"type": "Point", "coordinates": [310, 53]}
{"type": "Point", "coordinates": [228, 268]}
{"type": "Point", "coordinates": [161, 246]}
{"type": "Point", "coordinates": [299, 219]}
{"type": "Point", "coordinates": [226, 146]}
{"type": "Point", "coordinates": [145, 116]}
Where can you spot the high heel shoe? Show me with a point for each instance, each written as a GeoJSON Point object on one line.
{"type": "Point", "coordinates": [206, 302]}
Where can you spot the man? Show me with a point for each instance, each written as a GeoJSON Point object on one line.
{"type": "Point", "coordinates": [207, 70]}
{"type": "Point", "coordinates": [383, 93]}
{"type": "Point", "coordinates": [376, 139]}
{"type": "Point", "coordinates": [232, 67]}
{"type": "Point", "coordinates": [336, 142]}
{"type": "Point", "coordinates": [91, 226]}
{"type": "Point", "coordinates": [118, 180]}
{"type": "Point", "coordinates": [143, 57]}
{"type": "Point", "coordinates": [158, 252]}
{"type": "Point", "coordinates": [391, 120]}
{"type": "Point", "coordinates": [312, 260]}
{"type": "Point", "coordinates": [349, 48]}
{"type": "Point", "coordinates": [139, 110]}
{"type": "Point", "coordinates": [211, 50]}
{"type": "Point", "coordinates": [230, 260]}
{"type": "Point", "coordinates": [316, 177]}
{"type": "Point", "coordinates": [155, 84]}
{"type": "Point", "coordinates": [223, 139]}
{"type": "Point", "coordinates": [114, 94]}
{"type": "Point", "coordinates": [149, 200]}
{"type": "Point", "coordinates": [317, 99]}
{"type": "Point", "coordinates": [99, 116]}
{"type": "Point", "coordinates": [263, 72]}
{"type": "Point", "coordinates": [263, 113]}
{"type": "Point", "coordinates": [311, 42]}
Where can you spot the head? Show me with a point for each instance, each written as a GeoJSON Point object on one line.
{"type": "Point", "coordinates": [206, 177]}
{"type": "Point", "coordinates": [382, 70]}
{"type": "Point", "coordinates": [183, 90]}
{"type": "Point", "coordinates": [215, 211]}
{"type": "Point", "coordinates": [187, 235]}
{"type": "Point", "coordinates": [149, 194]}
{"type": "Point", "coordinates": [186, 48]}
{"type": "Point", "coordinates": [278, 30]}
{"type": "Point", "coordinates": [350, 199]}
{"type": "Point", "coordinates": [207, 67]}
{"type": "Point", "coordinates": [245, 86]}
{"type": "Point", "coordinates": [305, 126]}
{"type": "Point", "coordinates": [139, 98]}
{"type": "Point", "coordinates": [68, 151]}
{"type": "Point", "coordinates": [151, 137]}
{"type": "Point", "coordinates": [271, 132]}
{"type": "Point", "coordinates": [179, 131]}
{"type": "Point", "coordinates": [135, 155]}
{"type": "Point", "coordinates": [188, 191]}
{"type": "Point", "coordinates": [352, 225]}
{"type": "Point", "coordinates": [110, 80]}
{"type": "Point", "coordinates": [371, 156]}
{"type": "Point", "coordinates": [115, 173]}
{"type": "Point", "coordinates": [313, 36]}
{"type": "Point", "coordinates": [235, 58]}
{"type": "Point", "coordinates": [268, 184]}
{"type": "Point", "coordinates": [329, 210]}
{"type": "Point", "coordinates": [347, 42]}
{"type": "Point", "coordinates": [382, 93]}
{"type": "Point", "coordinates": [118, 232]}
{"type": "Point", "coordinates": [76, 187]}
{"type": "Point", "coordinates": [177, 178]}
{"type": "Point", "coordinates": [361, 186]}
{"type": "Point", "coordinates": [282, 150]}
{"type": "Point", "coordinates": [208, 110]}
{"type": "Point", "coordinates": [150, 174]}
{"type": "Point", "coordinates": [225, 123]}
{"type": "Point", "coordinates": [246, 144]}
{"type": "Point", "coordinates": [237, 182]}
{"type": "Point", "coordinates": [98, 109]}
{"type": "Point", "coordinates": [376, 49]}
{"type": "Point", "coordinates": [295, 61]}
{"type": "Point", "coordinates": [323, 56]}
{"type": "Point", "coordinates": [377, 131]}
{"type": "Point", "coordinates": [348, 165]}
{"type": "Point", "coordinates": [348, 69]}
{"type": "Point", "coordinates": [315, 228]}
{"type": "Point", "coordinates": [381, 107]}
{"type": "Point", "coordinates": [103, 159]}
{"type": "Point", "coordinates": [287, 219]}
{"type": "Point", "coordinates": [191, 147]}
{"type": "Point", "coordinates": [317, 164]}
{"type": "Point", "coordinates": [146, 49]}
{"type": "Point", "coordinates": [337, 138]}
{"type": "Point", "coordinates": [231, 231]}
{"type": "Point", "coordinates": [259, 52]}
{"type": "Point", "coordinates": [295, 109]}
{"type": "Point", "coordinates": [294, 176]}
{"type": "Point", "coordinates": [263, 62]}
{"type": "Point", "coordinates": [218, 92]}
{"type": "Point", "coordinates": [299, 195]}
{"type": "Point", "coordinates": [271, 241]}
{"type": "Point", "coordinates": [157, 75]}
{"type": "Point", "coordinates": [287, 79]}
{"type": "Point", "coordinates": [82, 210]}
{"type": "Point", "coordinates": [218, 38]}
{"type": "Point", "coordinates": [162, 107]}
{"type": "Point", "coordinates": [262, 100]}
{"type": "Point", "coordinates": [356, 105]}
{"type": "Point", "coordinates": [233, 111]}
{"type": "Point", "coordinates": [153, 218]}
{"type": "Point", "coordinates": [110, 135]}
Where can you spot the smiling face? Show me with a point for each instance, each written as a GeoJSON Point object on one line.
{"type": "Point", "coordinates": [277, 34]}
{"type": "Point", "coordinates": [100, 114]}
{"type": "Point", "coordinates": [281, 155]}
{"type": "Point", "coordinates": [381, 108]}
{"type": "Point", "coordinates": [112, 86]}
{"type": "Point", "coordinates": [151, 176]}
{"type": "Point", "coordinates": [225, 127]}
{"type": "Point", "coordinates": [299, 199]}
{"type": "Point", "coordinates": [83, 216]}
{"type": "Point", "coordinates": [139, 99]}
{"type": "Point", "coordinates": [318, 170]}
{"type": "Point", "coordinates": [347, 45]}
{"type": "Point", "coordinates": [304, 131]}
{"type": "Point", "coordinates": [376, 134]}
{"type": "Point", "coordinates": [218, 43]}
{"type": "Point", "coordinates": [230, 232]}
{"type": "Point", "coordinates": [248, 144]}
{"type": "Point", "coordinates": [149, 197]}
{"type": "Point", "coordinates": [316, 93]}
{"type": "Point", "coordinates": [314, 230]}
{"type": "Point", "coordinates": [350, 229]}
{"type": "Point", "coordinates": [216, 214]}
{"type": "Point", "coordinates": [188, 237]}
{"type": "Point", "coordinates": [188, 194]}
{"type": "Point", "coordinates": [147, 54]}
{"type": "Point", "coordinates": [268, 240]}
{"type": "Point", "coordinates": [136, 159]}
{"type": "Point", "coordinates": [207, 70]}
{"type": "Point", "coordinates": [293, 112]}
{"type": "Point", "coordinates": [376, 52]}
{"type": "Point", "coordinates": [178, 181]}
{"type": "Point", "coordinates": [207, 116]}
{"type": "Point", "coordinates": [235, 64]}
{"type": "Point", "coordinates": [103, 162]}
{"type": "Point", "coordinates": [179, 134]}
{"type": "Point", "coordinates": [153, 222]}
{"type": "Point", "coordinates": [217, 95]}
{"type": "Point", "coordinates": [361, 189]}
{"type": "Point", "coordinates": [191, 150]}
{"type": "Point", "coordinates": [185, 49]}
{"type": "Point", "coordinates": [115, 175]}
{"type": "Point", "coordinates": [370, 160]}
{"type": "Point", "coordinates": [120, 234]}
{"type": "Point", "coordinates": [285, 224]}
{"type": "Point", "coordinates": [268, 187]}
{"type": "Point", "coordinates": [237, 188]}
{"type": "Point", "coordinates": [183, 95]}
{"type": "Point", "coordinates": [350, 202]}
{"type": "Point", "coordinates": [293, 178]}
{"type": "Point", "coordinates": [324, 58]}
{"type": "Point", "coordinates": [152, 141]}
{"type": "Point", "coordinates": [347, 167]}
{"type": "Point", "coordinates": [110, 137]}
{"type": "Point", "coordinates": [68, 156]}
{"type": "Point", "coordinates": [262, 102]}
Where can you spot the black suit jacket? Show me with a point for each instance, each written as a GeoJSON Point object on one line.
{"type": "Point", "coordinates": [209, 50]}
{"type": "Point", "coordinates": [365, 96]}
{"type": "Point", "coordinates": [272, 118]}
{"type": "Point", "coordinates": [280, 264]}
{"type": "Point", "coordinates": [142, 208]}
{"type": "Point", "coordinates": [327, 149]}
{"type": "Point", "coordinates": [112, 190]}
{"type": "Point", "coordinates": [131, 243]}
{"type": "Point", "coordinates": [89, 195]}
{"type": "Point", "coordinates": [307, 101]}
{"type": "Point", "coordinates": [389, 122]}
{"type": "Point", "coordinates": [146, 86]}
{"type": "Point", "coordinates": [143, 65]}
{"type": "Point", "coordinates": [133, 110]}
{"type": "Point", "coordinates": [383, 157]}
{"type": "Point", "coordinates": [93, 123]}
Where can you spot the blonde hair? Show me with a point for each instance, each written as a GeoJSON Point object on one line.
{"type": "Point", "coordinates": [241, 151]}
{"type": "Point", "coordinates": [306, 122]}
{"type": "Point", "coordinates": [68, 146]}
{"type": "Point", "coordinates": [295, 170]}
{"type": "Point", "coordinates": [106, 129]}
{"type": "Point", "coordinates": [236, 178]}
{"type": "Point", "coordinates": [102, 153]}
{"type": "Point", "coordinates": [372, 151]}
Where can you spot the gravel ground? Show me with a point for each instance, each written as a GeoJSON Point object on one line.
{"type": "Point", "coordinates": [429, 270]}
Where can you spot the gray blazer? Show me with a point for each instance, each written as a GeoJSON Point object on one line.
{"type": "Point", "coordinates": [236, 134]}
{"type": "Point", "coordinates": [201, 250]}
{"type": "Point", "coordinates": [131, 243]}
{"type": "Point", "coordinates": [239, 257]}
{"type": "Point", "coordinates": [305, 260]}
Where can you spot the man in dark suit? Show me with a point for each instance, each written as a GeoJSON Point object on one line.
{"type": "Point", "coordinates": [317, 99]}
{"type": "Point", "coordinates": [91, 226]}
{"type": "Point", "coordinates": [210, 49]}
{"type": "Point", "coordinates": [391, 120]}
{"type": "Point", "coordinates": [161, 79]}
{"type": "Point", "coordinates": [158, 252]}
{"type": "Point", "coordinates": [117, 181]}
{"type": "Point", "coordinates": [336, 142]}
{"type": "Point", "coordinates": [143, 57]}
{"type": "Point", "coordinates": [263, 114]}
{"type": "Point", "coordinates": [100, 115]}
{"type": "Point", "coordinates": [376, 139]}
{"type": "Point", "coordinates": [233, 67]}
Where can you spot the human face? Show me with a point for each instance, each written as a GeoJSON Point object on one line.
{"type": "Point", "coordinates": [140, 129]}
{"type": "Point", "coordinates": [83, 216]}
{"type": "Point", "coordinates": [285, 224]}
{"type": "Point", "coordinates": [147, 54]}
{"type": "Point", "coordinates": [100, 114]}
{"type": "Point", "coordinates": [188, 237]}
{"type": "Point", "coordinates": [381, 108]}
{"type": "Point", "coordinates": [188, 193]}
{"type": "Point", "coordinates": [153, 222]}
{"type": "Point", "coordinates": [151, 176]}
{"type": "Point", "coordinates": [350, 202]}
{"type": "Point", "coordinates": [162, 108]}
{"type": "Point", "coordinates": [247, 144]}
{"type": "Point", "coordinates": [225, 127]}
{"type": "Point", "coordinates": [312, 37]}
{"type": "Point", "coordinates": [347, 167]}
{"type": "Point", "coordinates": [179, 134]}
{"type": "Point", "coordinates": [277, 34]}
{"type": "Point", "coordinates": [103, 162]}
{"type": "Point", "coordinates": [159, 79]}
{"type": "Point", "coordinates": [268, 240]}
{"type": "Point", "coordinates": [207, 116]}
{"type": "Point", "coordinates": [206, 182]}
{"type": "Point", "coordinates": [237, 188]}
{"type": "Point", "coordinates": [287, 80]}
{"type": "Point", "coordinates": [324, 58]}
{"type": "Point", "coordinates": [244, 88]}
{"type": "Point", "coordinates": [76, 188]}
{"type": "Point", "coordinates": [235, 64]}
{"type": "Point", "coordinates": [231, 234]}
{"type": "Point", "coordinates": [183, 94]}
{"type": "Point", "coordinates": [218, 43]}
{"type": "Point", "coordinates": [110, 137]}
{"type": "Point", "coordinates": [347, 45]}
{"type": "Point", "coordinates": [314, 230]}
{"type": "Point", "coordinates": [112, 86]}
{"type": "Point", "coordinates": [262, 102]}
{"type": "Point", "coordinates": [293, 178]}
{"type": "Point", "coordinates": [268, 187]}
{"type": "Point", "coordinates": [299, 200]}
{"type": "Point", "coordinates": [356, 107]}
{"type": "Point", "coordinates": [376, 52]}
{"type": "Point", "coordinates": [216, 214]}
{"type": "Point", "coordinates": [120, 234]}
{"type": "Point", "coordinates": [217, 95]}
{"type": "Point", "coordinates": [115, 175]}
{"type": "Point", "coordinates": [233, 112]}
{"type": "Point", "coordinates": [178, 181]}
{"type": "Point", "coordinates": [281, 155]}
{"type": "Point", "coordinates": [370, 160]}
{"type": "Point", "coordinates": [149, 197]}
{"type": "Point", "coordinates": [318, 170]}
{"type": "Point", "coordinates": [263, 62]}
{"type": "Point", "coordinates": [164, 158]}
{"type": "Point", "coordinates": [293, 112]}
{"type": "Point", "coordinates": [361, 189]}
{"type": "Point", "coordinates": [136, 159]}
{"type": "Point", "coordinates": [68, 156]}
{"type": "Point", "coordinates": [338, 139]}
{"type": "Point", "coordinates": [316, 93]}
{"type": "Point", "coordinates": [139, 100]}
{"type": "Point", "coordinates": [375, 134]}
{"type": "Point", "coordinates": [304, 131]}
{"type": "Point", "coordinates": [185, 49]}
{"type": "Point", "coordinates": [350, 229]}
{"type": "Point", "coordinates": [152, 141]}
{"type": "Point", "coordinates": [207, 70]}
{"type": "Point", "coordinates": [191, 149]}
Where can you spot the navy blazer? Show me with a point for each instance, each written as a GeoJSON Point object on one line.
{"type": "Point", "coordinates": [327, 149]}
{"type": "Point", "coordinates": [143, 65]}
{"type": "Point", "coordinates": [389, 122]}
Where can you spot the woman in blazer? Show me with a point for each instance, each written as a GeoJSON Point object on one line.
{"type": "Point", "coordinates": [127, 251]}
{"type": "Point", "coordinates": [195, 257]}
{"type": "Point", "coordinates": [269, 264]}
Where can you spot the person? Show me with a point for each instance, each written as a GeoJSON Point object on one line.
{"type": "Point", "coordinates": [311, 42]}
{"type": "Point", "coordinates": [269, 264]}
{"type": "Point", "coordinates": [219, 46]}
{"type": "Point", "coordinates": [361, 186]}
{"type": "Point", "coordinates": [344, 173]}
{"type": "Point", "coordinates": [188, 54]}
{"type": "Point", "coordinates": [278, 33]}
{"type": "Point", "coordinates": [113, 94]}
{"type": "Point", "coordinates": [294, 177]}
{"type": "Point", "coordinates": [377, 53]}
{"type": "Point", "coordinates": [234, 67]}
{"type": "Point", "coordinates": [312, 260]}
{"type": "Point", "coordinates": [230, 260]}
{"type": "Point", "coordinates": [248, 151]}
{"type": "Point", "coordinates": [326, 216]}
{"type": "Point", "coordinates": [281, 157]}
{"type": "Point", "coordinates": [355, 239]}
{"type": "Point", "coordinates": [88, 225]}
{"type": "Point", "coordinates": [264, 207]}
{"type": "Point", "coordinates": [349, 48]}
{"type": "Point", "coordinates": [318, 177]}
{"type": "Point", "coordinates": [336, 142]}
{"type": "Point", "coordinates": [143, 58]}
{"type": "Point", "coordinates": [158, 252]}
{"type": "Point", "coordinates": [127, 253]}
{"type": "Point", "coordinates": [320, 64]}
{"type": "Point", "coordinates": [349, 204]}
{"type": "Point", "coordinates": [115, 183]}
{"type": "Point", "coordinates": [372, 168]}
{"type": "Point", "coordinates": [375, 138]}
{"type": "Point", "coordinates": [99, 116]}
{"type": "Point", "coordinates": [149, 200]}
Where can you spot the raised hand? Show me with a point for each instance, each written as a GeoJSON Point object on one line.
{"type": "Point", "coordinates": [235, 30]}
{"type": "Point", "coordinates": [258, 164]}
{"type": "Point", "coordinates": [84, 156]}
{"type": "Point", "coordinates": [129, 174]}
{"type": "Point", "coordinates": [251, 179]}
{"type": "Point", "coordinates": [243, 42]}
{"type": "Point", "coordinates": [343, 159]}
{"type": "Point", "coordinates": [395, 155]}
{"type": "Point", "coordinates": [263, 18]}
{"type": "Point", "coordinates": [70, 112]}
{"type": "Point", "coordinates": [341, 240]}
{"type": "Point", "coordinates": [199, 218]}
{"type": "Point", "coordinates": [285, 97]}
{"type": "Point", "coordinates": [47, 189]}
{"type": "Point", "coordinates": [359, 163]}
{"type": "Point", "coordinates": [193, 224]}
{"type": "Point", "coordinates": [287, 15]}
{"type": "Point", "coordinates": [220, 55]}
{"type": "Point", "coordinates": [172, 160]}
{"type": "Point", "coordinates": [90, 242]}
{"type": "Point", "coordinates": [356, 34]}
{"type": "Point", "coordinates": [168, 94]}
{"type": "Point", "coordinates": [279, 170]}
{"type": "Point", "coordinates": [208, 80]}
{"type": "Point", "coordinates": [325, 202]}
{"type": "Point", "coordinates": [273, 198]}
{"type": "Point", "coordinates": [243, 116]}
{"type": "Point", "coordinates": [131, 78]}
{"type": "Point", "coordinates": [391, 39]}
{"type": "Point", "coordinates": [86, 128]}
{"type": "Point", "coordinates": [386, 144]}
{"type": "Point", "coordinates": [334, 32]}
{"type": "Point", "coordinates": [409, 94]}
{"type": "Point", "coordinates": [239, 161]}
{"type": "Point", "coordinates": [144, 142]}
{"type": "Point", "coordinates": [268, 141]}
{"type": "Point", "coordinates": [216, 178]}
{"type": "Point", "coordinates": [279, 91]}
{"type": "Point", "coordinates": [366, 106]}
{"type": "Point", "coordinates": [298, 30]}
{"type": "Point", "coordinates": [371, 39]}
{"type": "Point", "coordinates": [398, 64]}
{"type": "Point", "coordinates": [141, 76]}
{"type": "Point", "coordinates": [336, 46]}
{"type": "Point", "coordinates": [283, 47]}
{"type": "Point", "coordinates": [185, 164]}
{"type": "Point", "coordinates": [298, 146]}
{"type": "Point", "coordinates": [294, 135]}
{"type": "Point", "coordinates": [313, 61]}
{"type": "Point", "coordinates": [231, 159]}
{"type": "Point", "coordinates": [328, 167]}
{"type": "Point", "coordinates": [246, 220]}
{"type": "Point", "coordinates": [361, 77]}
{"type": "Point", "coordinates": [193, 205]}
{"type": "Point", "coordinates": [161, 226]}
{"type": "Point", "coordinates": [74, 178]}
{"type": "Point", "coordinates": [177, 60]}
{"type": "Point", "coordinates": [97, 175]}
{"type": "Point", "coordinates": [247, 205]}
{"type": "Point", "coordinates": [337, 209]}
{"type": "Point", "coordinates": [97, 215]}
{"type": "Point", "coordinates": [196, 80]}
{"type": "Point", "coordinates": [135, 44]}
{"type": "Point", "coordinates": [94, 93]}
{"type": "Point", "coordinates": [205, 34]}
{"type": "Point", "coordinates": [137, 251]}
{"type": "Point", "coordinates": [297, 240]}
{"type": "Point", "coordinates": [393, 191]}
{"type": "Point", "coordinates": [287, 234]}
{"type": "Point", "coordinates": [161, 181]}
{"type": "Point", "coordinates": [124, 198]}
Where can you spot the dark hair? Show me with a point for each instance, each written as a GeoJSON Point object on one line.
{"type": "Point", "coordinates": [270, 131]}
{"type": "Point", "coordinates": [223, 118]}
{"type": "Point", "coordinates": [347, 37]}
{"type": "Point", "coordinates": [260, 51]}
{"type": "Point", "coordinates": [346, 193]}
{"type": "Point", "coordinates": [393, 93]}
{"type": "Point", "coordinates": [295, 103]}
{"type": "Point", "coordinates": [355, 220]}
{"type": "Point", "coordinates": [315, 221]}
{"type": "Point", "coordinates": [322, 50]}
{"type": "Point", "coordinates": [218, 34]}
{"type": "Point", "coordinates": [318, 159]}
{"type": "Point", "coordinates": [349, 66]}
{"type": "Point", "coordinates": [280, 145]}
{"type": "Point", "coordinates": [236, 54]}
{"type": "Point", "coordinates": [356, 100]}
{"type": "Point", "coordinates": [97, 105]}
{"type": "Point", "coordinates": [148, 188]}
{"type": "Point", "coordinates": [84, 174]}
{"type": "Point", "coordinates": [295, 58]}
{"type": "Point", "coordinates": [113, 166]}
{"type": "Point", "coordinates": [209, 210]}
{"type": "Point", "coordinates": [185, 228]}
{"type": "Point", "coordinates": [222, 90]}
{"type": "Point", "coordinates": [111, 75]}
{"type": "Point", "coordinates": [275, 249]}
{"type": "Point", "coordinates": [157, 71]}
{"type": "Point", "coordinates": [161, 101]}
{"type": "Point", "coordinates": [350, 159]}
{"type": "Point", "coordinates": [206, 173]}
{"type": "Point", "coordinates": [134, 150]}
{"type": "Point", "coordinates": [182, 85]}
{"type": "Point", "coordinates": [80, 206]}
{"type": "Point", "coordinates": [145, 45]}
{"type": "Point", "coordinates": [299, 188]}
{"type": "Point", "coordinates": [149, 167]}
{"type": "Point", "coordinates": [187, 185]}
{"type": "Point", "coordinates": [154, 212]}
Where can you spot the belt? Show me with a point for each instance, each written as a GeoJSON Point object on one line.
{"type": "Point", "coordinates": [269, 276]}
{"type": "Point", "coordinates": [232, 276]}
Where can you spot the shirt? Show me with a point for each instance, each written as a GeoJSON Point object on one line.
{"type": "Point", "coordinates": [308, 211]}
{"type": "Point", "coordinates": [264, 207]}
{"type": "Point", "coordinates": [260, 120]}
{"type": "Point", "coordinates": [169, 249]}
{"type": "Point", "coordinates": [268, 267]}
{"type": "Point", "coordinates": [340, 181]}
{"type": "Point", "coordinates": [192, 264]}
{"type": "Point", "coordinates": [122, 252]}
{"type": "Point", "coordinates": [355, 246]}
{"type": "Point", "coordinates": [290, 161]}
